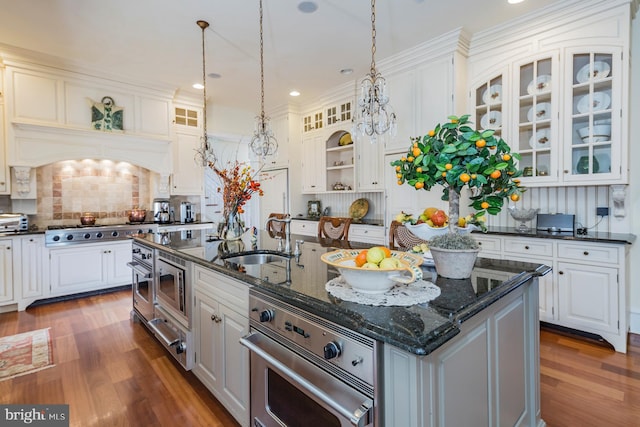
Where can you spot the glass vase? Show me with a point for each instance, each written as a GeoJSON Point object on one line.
{"type": "Point", "coordinates": [232, 227]}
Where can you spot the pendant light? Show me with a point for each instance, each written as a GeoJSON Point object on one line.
{"type": "Point", "coordinates": [263, 143]}
{"type": "Point", "coordinates": [375, 116]}
{"type": "Point", "coordinates": [204, 154]}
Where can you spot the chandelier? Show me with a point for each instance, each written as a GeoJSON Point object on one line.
{"type": "Point", "coordinates": [204, 154]}
{"type": "Point", "coordinates": [374, 116]}
{"type": "Point", "coordinates": [263, 143]}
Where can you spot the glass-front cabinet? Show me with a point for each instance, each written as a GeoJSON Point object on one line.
{"type": "Point", "coordinates": [488, 104]}
{"type": "Point", "coordinates": [593, 138]}
{"type": "Point", "coordinates": [536, 106]}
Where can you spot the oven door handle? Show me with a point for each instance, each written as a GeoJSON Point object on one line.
{"type": "Point", "coordinates": [358, 417]}
{"type": "Point", "coordinates": [169, 342]}
{"type": "Point", "coordinates": [141, 271]}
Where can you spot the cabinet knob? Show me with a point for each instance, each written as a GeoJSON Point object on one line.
{"type": "Point", "coordinates": [586, 253]}
{"type": "Point", "coordinates": [216, 318]}
{"type": "Point", "coordinates": [560, 272]}
{"type": "Point", "coordinates": [566, 171]}
{"type": "Point", "coordinates": [526, 247]}
{"type": "Point", "coordinates": [480, 243]}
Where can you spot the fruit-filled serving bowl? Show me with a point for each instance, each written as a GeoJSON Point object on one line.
{"type": "Point", "coordinates": [402, 267]}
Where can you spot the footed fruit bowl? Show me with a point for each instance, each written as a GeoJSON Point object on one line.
{"type": "Point", "coordinates": [523, 215]}
{"type": "Point", "coordinates": [424, 231]}
{"type": "Point", "coordinates": [374, 281]}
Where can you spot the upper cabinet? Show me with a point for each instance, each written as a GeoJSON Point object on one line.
{"type": "Point", "coordinates": [286, 129]}
{"type": "Point", "coordinates": [187, 177]}
{"type": "Point", "coordinates": [339, 114]}
{"type": "Point", "coordinates": [558, 98]}
{"type": "Point", "coordinates": [312, 121]}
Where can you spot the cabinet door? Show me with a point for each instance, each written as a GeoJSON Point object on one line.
{"type": "Point", "coordinates": [588, 297]}
{"type": "Point", "coordinates": [207, 365]}
{"type": "Point", "coordinates": [77, 269]}
{"type": "Point", "coordinates": [187, 177]}
{"type": "Point", "coordinates": [118, 255]}
{"type": "Point", "coordinates": [313, 173]}
{"type": "Point", "coordinates": [280, 128]}
{"type": "Point", "coordinates": [537, 139]}
{"type": "Point", "coordinates": [434, 99]}
{"type": "Point", "coordinates": [6, 271]}
{"type": "Point", "coordinates": [369, 166]}
{"type": "Point", "coordinates": [235, 359]}
{"type": "Point", "coordinates": [4, 170]}
{"type": "Point", "coordinates": [31, 266]}
{"type": "Point", "coordinates": [594, 146]}
{"type": "Point", "coordinates": [402, 97]}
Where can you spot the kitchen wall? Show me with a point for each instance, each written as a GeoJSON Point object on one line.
{"type": "Point", "coordinates": [105, 188]}
{"type": "Point", "coordinates": [633, 191]}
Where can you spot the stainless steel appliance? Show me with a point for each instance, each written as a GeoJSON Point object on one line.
{"type": "Point", "coordinates": [305, 368]}
{"type": "Point", "coordinates": [64, 235]}
{"type": "Point", "coordinates": [14, 222]}
{"type": "Point", "coordinates": [172, 315]}
{"type": "Point", "coordinates": [555, 223]}
{"type": "Point", "coordinates": [187, 212]}
{"type": "Point", "coordinates": [142, 287]}
{"type": "Point", "coordinates": [161, 211]}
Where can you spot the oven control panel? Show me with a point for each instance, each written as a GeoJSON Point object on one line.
{"type": "Point", "coordinates": [332, 343]}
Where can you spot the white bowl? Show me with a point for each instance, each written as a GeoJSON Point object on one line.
{"type": "Point", "coordinates": [600, 133]}
{"type": "Point", "coordinates": [425, 232]}
{"type": "Point", "coordinates": [372, 281]}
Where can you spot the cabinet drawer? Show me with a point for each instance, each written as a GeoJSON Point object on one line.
{"type": "Point", "coordinates": [588, 252]}
{"type": "Point", "coordinates": [233, 293]}
{"type": "Point", "coordinates": [523, 247]}
{"type": "Point", "coordinates": [367, 234]}
{"type": "Point", "coordinates": [488, 245]}
{"type": "Point", "coordinates": [306, 228]}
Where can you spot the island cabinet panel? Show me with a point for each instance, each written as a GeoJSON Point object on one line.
{"type": "Point", "coordinates": [221, 363]}
{"type": "Point", "coordinates": [485, 376]}
{"type": "Point", "coordinates": [6, 271]}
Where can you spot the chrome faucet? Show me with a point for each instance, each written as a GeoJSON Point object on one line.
{"type": "Point", "coordinates": [287, 231]}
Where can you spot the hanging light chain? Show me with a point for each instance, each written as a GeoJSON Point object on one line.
{"type": "Point", "coordinates": [262, 115]}
{"type": "Point", "coordinates": [204, 25]}
{"type": "Point", "coordinates": [373, 38]}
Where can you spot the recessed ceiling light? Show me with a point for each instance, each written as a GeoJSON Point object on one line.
{"type": "Point", "coordinates": [214, 75]}
{"type": "Point", "coordinates": [198, 86]}
{"type": "Point", "coordinates": [307, 6]}
{"type": "Point", "coordinates": [294, 93]}
{"type": "Point", "coordinates": [514, 1]}
{"type": "Point", "coordinates": [346, 71]}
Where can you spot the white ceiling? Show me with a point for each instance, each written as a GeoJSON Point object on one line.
{"type": "Point", "coordinates": [158, 40]}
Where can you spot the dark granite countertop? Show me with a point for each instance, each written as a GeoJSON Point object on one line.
{"type": "Point", "coordinates": [419, 329]}
{"type": "Point", "coordinates": [590, 236]}
{"type": "Point", "coordinates": [365, 221]}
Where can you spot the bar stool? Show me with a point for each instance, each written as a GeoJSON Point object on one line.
{"type": "Point", "coordinates": [335, 228]}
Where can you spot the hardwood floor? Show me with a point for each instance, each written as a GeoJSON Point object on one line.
{"type": "Point", "coordinates": [112, 372]}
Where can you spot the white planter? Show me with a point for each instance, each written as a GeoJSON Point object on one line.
{"type": "Point", "coordinates": [454, 263]}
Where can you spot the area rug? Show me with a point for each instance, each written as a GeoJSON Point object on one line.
{"type": "Point", "coordinates": [25, 353]}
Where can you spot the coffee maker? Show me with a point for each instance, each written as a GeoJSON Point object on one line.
{"type": "Point", "coordinates": [187, 212]}
{"type": "Point", "coordinates": [161, 211]}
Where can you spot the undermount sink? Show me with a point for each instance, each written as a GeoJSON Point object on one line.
{"type": "Point", "coordinates": [253, 257]}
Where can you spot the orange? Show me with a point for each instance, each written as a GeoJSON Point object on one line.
{"type": "Point", "coordinates": [403, 159]}
{"type": "Point", "coordinates": [495, 174]}
{"type": "Point", "coordinates": [361, 258]}
{"type": "Point", "coordinates": [429, 211]}
{"type": "Point", "coordinates": [398, 168]}
{"type": "Point", "coordinates": [484, 205]}
{"type": "Point", "coordinates": [506, 157]}
{"type": "Point", "coordinates": [419, 185]}
{"type": "Point", "coordinates": [444, 174]}
{"type": "Point", "coordinates": [464, 177]}
{"type": "Point", "coordinates": [481, 143]}
{"type": "Point", "coordinates": [431, 132]}
{"type": "Point", "coordinates": [416, 151]}
{"type": "Point", "coordinates": [515, 197]}
{"type": "Point", "coordinates": [474, 176]}
{"type": "Point", "coordinates": [419, 169]}
{"type": "Point", "coordinates": [454, 120]}
{"type": "Point", "coordinates": [448, 166]}
{"type": "Point", "coordinates": [399, 182]}
{"type": "Point", "coordinates": [410, 159]}
{"type": "Point", "coordinates": [387, 251]}
{"type": "Point", "coordinates": [398, 175]}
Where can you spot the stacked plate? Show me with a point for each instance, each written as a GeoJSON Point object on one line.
{"type": "Point", "coordinates": [600, 71]}
{"type": "Point", "coordinates": [493, 95]}
{"type": "Point", "coordinates": [600, 101]}
{"type": "Point", "coordinates": [491, 120]}
{"type": "Point", "coordinates": [541, 111]}
{"type": "Point", "coordinates": [541, 84]}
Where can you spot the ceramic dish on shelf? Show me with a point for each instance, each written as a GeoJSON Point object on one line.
{"type": "Point", "coordinates": [359, 209]}
{"type": "Point", "coordinates": [541, 139]}
{"type": "Point", "coordinates": [600, 71]}
{"type": "Point", "coordinates": [600, 133]}
{"type": "Point", "coordinates": [540, 85]}
{"type": "Point", "coordinates": [601, 101]}
{"type": "Point", "coordinates": [542, 112]}
{"type": "Point", "coordinates": [493, 95]}
{"type": "Point", "coordinates": [491, 120]}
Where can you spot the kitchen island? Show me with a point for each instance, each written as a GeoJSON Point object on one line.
{"type": "Point", "coordinates": [475, 346]}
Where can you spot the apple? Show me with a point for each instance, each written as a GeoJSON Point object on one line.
{"type": "Point", "coordinates": [390, 263]}
{"type": "Point", "coordinates": [439, 218]}
{"type": "Point", "coordinates": [371, 265]}
{"type": "Point", "coordinates": [375, 255]}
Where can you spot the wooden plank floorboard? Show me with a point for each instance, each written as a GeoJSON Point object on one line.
{"type": "Point", "coordinates": [112, 372]}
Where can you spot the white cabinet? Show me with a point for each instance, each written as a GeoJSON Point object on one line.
{"type": "Point", "coordinates": [588, 287]}
{"type": "Point", "coordinates": [313, 164]}
{"type": "Point", "coordinates": [368, 234]}
{"type": "Point", "coordinates": [339, 113]}
{"type": "Point", "coordinates": [369, 166]}
{"type": "Point", "coordinates": [187, 178]}
{"type": "Point", "coordinates": [340, 162]}
{"type": "Point", "coordinates": [304, 227]}
{"type": "Point", "coordinates": [312, 122]}
{"type": "Point", "coordinates": [6, 271]}
{"type": "Point", "coordinates": [284, 130]}
{"type": "Point", "coordinates": [89, 267]}
{"type": "Point", "coordinates": [4, 170]}
{"type": "Point", "coordinates": [221, 319]}
{"type": "Point", "coordinates": [31, 269]}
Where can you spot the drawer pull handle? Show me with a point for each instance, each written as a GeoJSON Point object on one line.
{"type": "Point", "coordinates": [586, 253]}
{"type": "Point", "coordinates": [526, 247]}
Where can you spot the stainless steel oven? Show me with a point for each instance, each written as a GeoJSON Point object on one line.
{"type": "Point", "coordinates": [307, 370]}
{"type": "Point", "coordinates": [173, 336]}
{"type": "Point", "coordinates": [142, 280]}
{"type": "Point", "coordinates": [173, 291]}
